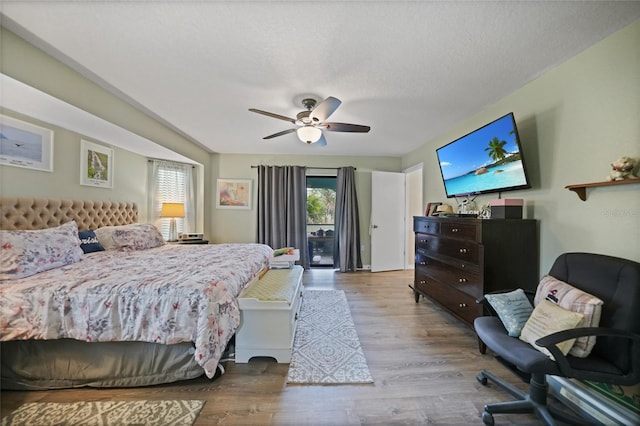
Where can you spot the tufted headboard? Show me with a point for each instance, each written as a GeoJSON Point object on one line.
{"type": "Point", "coordinates": [38, 213]}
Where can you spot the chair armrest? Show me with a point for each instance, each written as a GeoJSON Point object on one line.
{"type": "Point", "coordinates": [551, 340]}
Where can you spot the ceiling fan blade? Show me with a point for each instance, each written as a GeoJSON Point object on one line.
{"type": "Point", "coordinates": [345, 127]}
{"type": "Point", "coordinates": [321, 142]}
{"type": "Point", "coordinates": [271, 114]}
{"type": "Point", "coordinates": [284, 132]}
{"type": "Point", "coordinates": [325, 109]}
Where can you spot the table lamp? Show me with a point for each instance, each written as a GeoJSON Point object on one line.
{"type": "Point", "coordinates": [172, 210]}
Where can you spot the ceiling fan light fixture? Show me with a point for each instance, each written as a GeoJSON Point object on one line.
{"type": "Point", "coordinates": [309, 134]}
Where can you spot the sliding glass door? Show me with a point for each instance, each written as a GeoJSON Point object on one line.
{"type": "Point", "coordinates": [321, 202]}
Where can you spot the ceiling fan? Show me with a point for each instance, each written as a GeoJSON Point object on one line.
{"type": "Point", "coordinates": [312, 121]}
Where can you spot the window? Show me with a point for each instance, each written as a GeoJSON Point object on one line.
{"type": "Point", "coordinates": [171, 182]}
{"type": "Point", "coordinates": [321, 204]}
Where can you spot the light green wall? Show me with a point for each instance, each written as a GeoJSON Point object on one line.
{"type": "Point", "coordinates": [129, 179]}
{"type": "Point", "coordinates": [28, 64]}
{"type": "Point", "coordinates": [241, 225]}
{"type": "Point", "coordinates": [574, 121]}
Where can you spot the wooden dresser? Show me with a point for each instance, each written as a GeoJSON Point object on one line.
{"type": "Point", "coordinates": [460, 259]}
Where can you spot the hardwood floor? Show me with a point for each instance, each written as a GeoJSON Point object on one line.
{"type": "Point", "coordinates": [424, 363]}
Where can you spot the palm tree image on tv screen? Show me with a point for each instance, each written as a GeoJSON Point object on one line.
{"type": "Point", "coordinates": [486, 160]}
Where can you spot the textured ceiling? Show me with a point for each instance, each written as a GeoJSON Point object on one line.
{"type": "Point", "coordinates": [410, 70]}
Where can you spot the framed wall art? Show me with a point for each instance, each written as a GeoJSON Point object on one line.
{"type": "Point", "coordinates": [26, 145]}
{"type": "Point", "coordinates": [234, 194]}
{"type": "Point", "coordinates": [96, 165]}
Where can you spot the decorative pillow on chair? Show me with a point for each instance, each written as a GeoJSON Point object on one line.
{"type": "Point", "coordinates": [569, 297]}
{"type": "Point", "coordinates": [548, 318]}
{"type": "Point", "coordinates": [513, 309]}
{"type": "Point", "coordinates": [25, 253]}
{"type": "Point", "coordinates": [136, 236]}
{"type": "Point", "coordinates": [89, 242]}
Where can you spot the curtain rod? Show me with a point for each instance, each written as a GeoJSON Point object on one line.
{"type": "Point", "coordinates": [310, 167]}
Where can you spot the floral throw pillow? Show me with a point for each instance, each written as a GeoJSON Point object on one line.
{"type": "Point", "coordinates": [138, 237]}
{"type": "Point", "coordinates": [25, 253]}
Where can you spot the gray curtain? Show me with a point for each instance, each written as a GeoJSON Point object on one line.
{"type": "Point", "coordinates": [282, 208]}
{"type": "Point", "coordinates": [346, 243]}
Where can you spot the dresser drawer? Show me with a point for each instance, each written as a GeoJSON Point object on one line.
{"type": "Point", "coordinates": [468, 280]}
{"type": "Point", "coordinates": [463, 253]}
{"type": "Point", "coordinates": [426, 226]}
{"type": "Point", "coordinates": [466, 231]}
{"type": "Point", "coordinates": [460, 304]}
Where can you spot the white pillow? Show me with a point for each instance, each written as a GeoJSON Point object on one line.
{"type": "Point", "coordinates": [25, 253]}
{"type": "Point", "coordinates": [548, 318]}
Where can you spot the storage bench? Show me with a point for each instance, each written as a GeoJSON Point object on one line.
{"type": "Point", "coordinates": [268, 315]}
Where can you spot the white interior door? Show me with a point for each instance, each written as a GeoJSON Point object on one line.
{"type": "Point", "coordinates": [387, 221]}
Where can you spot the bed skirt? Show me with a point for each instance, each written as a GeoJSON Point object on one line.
{"type": "Point", "coordinates": [68, 363]}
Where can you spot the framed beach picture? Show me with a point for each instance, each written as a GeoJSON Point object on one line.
{"type": "Point", "coordinates": [96, 165]}
{"type": "Point", "coordinates": [234, 194]}
{"type": "Point", "coordinates": [26, 145]}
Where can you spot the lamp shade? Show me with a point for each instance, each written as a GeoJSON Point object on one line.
{"type": "Point", "coordinates": [172, 210]}
{"type": "Point", "coordinates": [309, 134]}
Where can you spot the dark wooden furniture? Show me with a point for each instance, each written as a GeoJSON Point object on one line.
{"type": "Point", "coordinates": [458, 260]}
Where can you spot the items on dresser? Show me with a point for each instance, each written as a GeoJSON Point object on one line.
{"type": "Point", "coordinates": [458, 260]}
{"type": "Point", "coordinates": [506, 208]}
{"type": "Point", "coordinates": [269, 315]}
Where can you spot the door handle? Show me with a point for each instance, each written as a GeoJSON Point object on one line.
{"type": "Point", "coordinates": [374, 226]}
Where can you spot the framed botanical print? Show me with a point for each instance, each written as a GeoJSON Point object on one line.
{"type": "Point", "coordinates": [96, 165]}
{"type": "Point", "coordinates": [25, 145]}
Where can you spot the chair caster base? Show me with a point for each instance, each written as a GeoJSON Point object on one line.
{"type": "Point", "coordinates": [482, 379]}
{"type": "Point", "coordinates": [487, 418]}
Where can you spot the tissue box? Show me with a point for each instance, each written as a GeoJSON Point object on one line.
{"type": "Point", "coordinates": [506, 208]}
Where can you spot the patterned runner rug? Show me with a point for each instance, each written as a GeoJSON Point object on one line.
{"type": "Point", "coordinates": [326, 349]}
{"type": "Point", "coordinates": [109, 413]}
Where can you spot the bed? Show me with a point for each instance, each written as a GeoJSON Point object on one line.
{"type": "Point", "coordinates": [141, 312]}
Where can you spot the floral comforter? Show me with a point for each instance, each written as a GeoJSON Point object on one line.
{"type": "Point", "coordinates": [168, 294]}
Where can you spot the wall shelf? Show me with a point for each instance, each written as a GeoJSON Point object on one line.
{"type": "Point", "coordinates": [581, 189]}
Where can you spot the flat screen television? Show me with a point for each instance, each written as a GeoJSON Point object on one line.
{"type": "Point", "coordinates": [487, 160]}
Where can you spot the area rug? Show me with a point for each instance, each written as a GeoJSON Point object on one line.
{"type": "Point", "coordinates": [326, 349]}
{"type": "Point", "coordinates": [106, 413]}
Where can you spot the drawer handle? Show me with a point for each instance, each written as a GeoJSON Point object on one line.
{"type": "Point", "coordinates": [463, 305]}
{"type": "Point", "coordinates": [423, 282]}
{"type": "Point", "coordinates": [454, 230]}
{"type": "Point", "coordinates": [423, 263]}
{"type": "Point", "coordinates": [296, 317]}
{"type": "Point", "coordinates": [423, 241]}
{"type": "Point", "coordinates": [462, 265]}
{"type": "Point", "coordinates": [463, 250]}
{"type": "Point", "coordinates": [462, 280]}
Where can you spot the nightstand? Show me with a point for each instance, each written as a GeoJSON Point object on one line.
{"type": "Point", "coordinates": [189, 242]}
{"type": "Point", "coordinates": [194, 242]}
